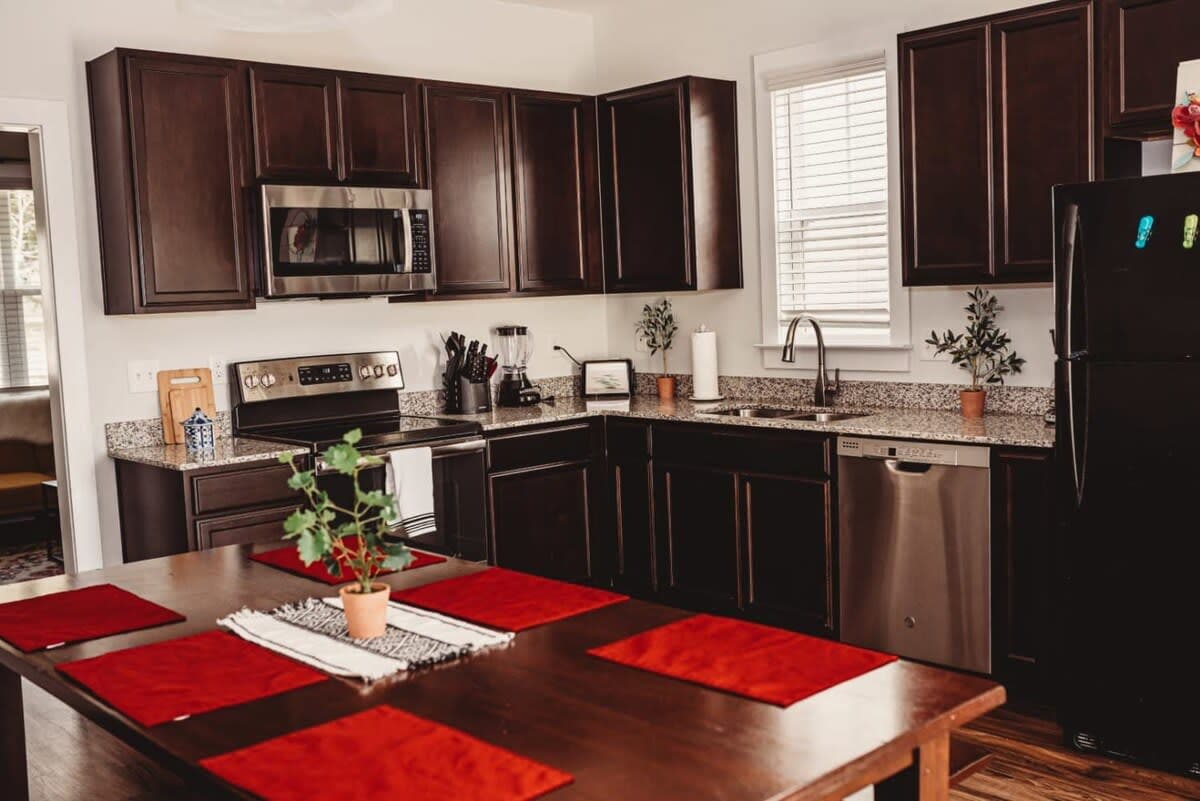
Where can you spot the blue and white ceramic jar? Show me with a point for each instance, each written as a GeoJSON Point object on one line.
{"type": "Point", "coordinates": [198, 432]}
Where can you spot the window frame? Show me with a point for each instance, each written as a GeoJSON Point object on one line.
{"type": "Point", "coordinates": [8, 183]}
{"type": "Point", "coordinates": [883, 349]}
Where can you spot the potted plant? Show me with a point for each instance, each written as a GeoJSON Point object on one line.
{"type": "Point", "coordinates": [657, 329]}
{"type": "Point", "coordinates": [982, 349]}
{"type": "Point", "coordinates": [348, 538]}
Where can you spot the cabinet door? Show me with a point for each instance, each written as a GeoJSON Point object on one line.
{"type": "Point", "coordinates": [188, 132]}
{"type": "Point", "coordinates": [243, 529]}
{"type": "Point", "coordinates": [647, 215]}
{"type": "Point", "coordinates": [1042, 116]}
{"type": "Point", "coordinates": [1023, 551]}
{"type": "Point", "coordinates": [631, 504]}
{"type": "Point", "coordinates": [541, 521]}
{"type": "Point", "coordinates": [381, 134]}
{"type": "Point", "coordinates": [556, 208]}
{"type": "Point", "coordinates": [946, 157]}
{"type": "Point", "coordinates": [295, 124]}
{"type": "Point", "coordinates": [466, 135]}
{"type": "Point", "coordinates": [1143, 43]}
{"type": "Point", "coordinates": [697, 535]}
{"type": "Point", "coordinates": [789, 547]}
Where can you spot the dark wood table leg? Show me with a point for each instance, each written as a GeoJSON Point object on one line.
{"type": "Point", "coordinates": [928, 779]}
{"type": "Point", "coordinates": [14, 773]}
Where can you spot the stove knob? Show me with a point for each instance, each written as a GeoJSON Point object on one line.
{"type": "Point", "coordinates": [379, 371]}
{"type": "Point", "coordinates": [391, 369]}
{"type": "Point", "coordinates": [364, 372]}
{"type": "Point", "coordinates": [250, 381]}
{"type": "Point", "coordinates": [268, 380]}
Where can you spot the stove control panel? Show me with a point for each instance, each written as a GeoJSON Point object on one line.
{"type": "Point", "coordinates": [273, 379]}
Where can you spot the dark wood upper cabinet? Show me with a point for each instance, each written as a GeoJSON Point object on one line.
{"type": "Point", "coordinates": [1143, 42]}
{"type": "Point", "coordinates": [169, 140]}
{"type": "Point", "coordinates": [380, 129]}
{"type": "Point", "coordinates": [945, 146]}
{"type": "Point", "coordinates": [467, 145]}
{"type": "Point", "coordinates": [994, 112]}
{"type": "Point", "coordinates": [1042, 106]}
{"type": "Point", "coordinates": [295, 124]}
{"type": "Point", "coordinates": [669, 177]}
{"type": "Point", "coordinates": [556, 200]}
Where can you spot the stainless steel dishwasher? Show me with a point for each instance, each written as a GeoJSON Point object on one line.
{"type": "Point", "coordinates": [915, 550]}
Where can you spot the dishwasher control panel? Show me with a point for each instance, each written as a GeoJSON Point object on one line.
{"type": "Point", "coordinates": [920, 452]}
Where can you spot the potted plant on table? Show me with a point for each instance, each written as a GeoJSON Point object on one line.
{"type": "Point", "coordinates": [982, 349]}
{"type": "Point", "coordinates": [657, 330]}
{"type": "Point", "coordinates": [350, 538]}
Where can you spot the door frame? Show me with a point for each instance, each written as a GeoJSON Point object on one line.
{"type": "Point", "coordinates": [46, 124]}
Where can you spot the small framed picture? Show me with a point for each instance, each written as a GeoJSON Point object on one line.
{"type": "Point", "coordinates": [608, 378]}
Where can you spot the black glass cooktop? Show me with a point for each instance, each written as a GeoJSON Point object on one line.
{"type": "Point", "coordinates": [380, 433]}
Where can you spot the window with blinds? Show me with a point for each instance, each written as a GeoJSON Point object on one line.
{"type": "Point", "coordinates": [830, 172]}
{"type": "Point", "coordinates": [22, 335]}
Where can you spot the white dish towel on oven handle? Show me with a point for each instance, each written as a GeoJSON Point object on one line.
{"type": "Point", "coordinates": [410, 479]}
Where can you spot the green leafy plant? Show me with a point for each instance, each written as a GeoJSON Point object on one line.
{"type": "Point", "coordinates": [339, 537]}
{"type": "Point", "coordinates": [982, 349]}
{"type": "Point", "coordinates": [657, 328]}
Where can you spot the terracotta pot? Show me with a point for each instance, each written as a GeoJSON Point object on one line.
{"type": "Point", "coordinates": [666, 387]}
{"type": "Point", "coordinates": [366, 615]}
{"type": "Point", "coordinates": [972, 401]}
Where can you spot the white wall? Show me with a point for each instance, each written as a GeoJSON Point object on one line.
{"type": "Point", "coordinates": [43, 47]}
{"type": "Point", "coordinates": [639, 43]}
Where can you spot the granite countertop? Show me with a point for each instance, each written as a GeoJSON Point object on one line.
{"type": "Point", "coordinates": [229, 450]}
{"type": "Point", "coordinates": [1022, 430]}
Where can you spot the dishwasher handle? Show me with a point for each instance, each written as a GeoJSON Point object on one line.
{"type": "Point", "coordinates": [901, 466]}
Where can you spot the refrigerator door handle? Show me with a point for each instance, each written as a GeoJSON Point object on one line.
{"type": "Point", "coordinates": [1077, 444]}
{"type": "Point", "coordinates": [1071, 226]}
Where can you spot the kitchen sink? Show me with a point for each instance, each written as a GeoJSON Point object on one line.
{"type": "Point", "coordinates": [753, 412]}
{"type": "Point", "coordinates": [785, 414]}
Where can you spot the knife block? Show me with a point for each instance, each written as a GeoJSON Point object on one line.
{"type": "Point", "coordinates": [468, 397]}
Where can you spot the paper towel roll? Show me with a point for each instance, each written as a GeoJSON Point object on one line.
{"type": "Point", "coordinates": [704, 365]}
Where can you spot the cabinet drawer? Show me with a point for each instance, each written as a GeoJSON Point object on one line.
{"type": "Point", "coordinates": [238, 488]}
{"type": "Point", "coordinates": [571, 443]}
{"type": "Point", "coordinates": [245, 529]}
{"type": "Point", "coordinates": [728, 448]}
{"type": "Point", "coordinates": [627, 439]}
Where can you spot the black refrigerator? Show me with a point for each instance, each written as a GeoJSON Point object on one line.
{"type": "Point", "coordinates": [1127, 462]}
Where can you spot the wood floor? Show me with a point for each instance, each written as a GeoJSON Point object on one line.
{"type": "Point", "coordinates": [72, 760]}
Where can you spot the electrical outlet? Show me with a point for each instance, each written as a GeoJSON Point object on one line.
{"type": "Point", "coordinates": [217, 366]}
{"type": "Point", "coordinates": [929, 354]}
{"type": "Point", "coordinates": [639, 346]}
{"type": "Point", "coordinates": [143, 375]}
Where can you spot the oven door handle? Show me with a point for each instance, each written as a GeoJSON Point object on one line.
{"type": "Point", "coordinates": [449, 449]}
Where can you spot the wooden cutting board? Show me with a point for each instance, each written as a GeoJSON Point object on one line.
{"type": "Point", "coordinates": [180, 393]}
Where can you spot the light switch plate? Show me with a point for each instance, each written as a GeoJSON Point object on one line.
{"type": "Point", "coordinates": [143, 375]}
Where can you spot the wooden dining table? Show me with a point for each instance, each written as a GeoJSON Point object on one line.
{"type": "Point", "coordinates": [622, 733]}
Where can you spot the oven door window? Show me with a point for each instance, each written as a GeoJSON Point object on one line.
{"type": "Point", "coordinates": [332, 241]}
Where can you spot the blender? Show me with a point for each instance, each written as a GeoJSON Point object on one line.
{"type": "Point", "coordinates": [515, 388]}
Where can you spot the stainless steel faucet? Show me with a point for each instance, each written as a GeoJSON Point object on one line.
{"type": "Point", "coordinates": [823, 391]}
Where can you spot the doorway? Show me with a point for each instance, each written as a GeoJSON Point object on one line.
{"type": "Point", "coordinates": [48, 510]}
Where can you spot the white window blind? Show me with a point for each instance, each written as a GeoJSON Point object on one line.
{"type": "Point", "coordinates": [22, 336]}
{"type": "Point", "coordinates": [830, 172]}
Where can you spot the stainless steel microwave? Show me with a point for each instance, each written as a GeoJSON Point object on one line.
{"type": "Point", "coordinates": [344, 240]}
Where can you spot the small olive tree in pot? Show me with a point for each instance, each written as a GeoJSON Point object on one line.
{"type": "Point", "coordinates": [982, 349]}
{"type": "Point", "coordinates": [657, 330]}
{"type": "Point", "coordinates": [349, 539]}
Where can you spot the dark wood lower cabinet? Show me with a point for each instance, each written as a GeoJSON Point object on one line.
{"type": "Point", "coordinates": [630, 505]}
{"type": "Point", "coordinates": [242, 529]}
{"type": "Point", "coordinates": [698, 533]}
{"type": "Point", "coordinates": [543, 490]}
{"type": "Point", "coordinates": [1023, 557]}
{"type": "Point", "coordinates": [789, 531]}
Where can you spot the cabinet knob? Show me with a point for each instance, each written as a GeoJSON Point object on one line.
{"type": "Point", "coordinates": [910, 622]}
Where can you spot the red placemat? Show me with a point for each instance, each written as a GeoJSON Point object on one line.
{"type": "Point", "coordinates": [414, 759]}
{"type": "Point", "coordinates": [76, 615]}
{"type": "Point", "coordinates": [748, 659]}
{"type": "Point", "coordinates": [287, 558]}
{"type": "Point", "coordinates": [167, 680]}
{"type": "Point", "coordinates": [506, 599]}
